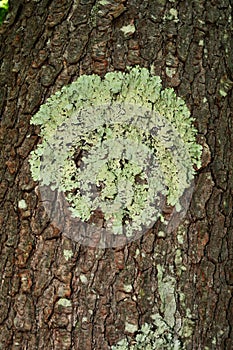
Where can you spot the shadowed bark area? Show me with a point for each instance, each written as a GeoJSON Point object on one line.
{"type": "Point", "coordinates": [56, 294]}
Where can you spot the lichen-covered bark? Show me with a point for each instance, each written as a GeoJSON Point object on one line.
{"type": "Point", "coordinates": [56, 294]}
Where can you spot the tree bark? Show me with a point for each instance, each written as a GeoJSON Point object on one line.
{"type": "Point", "coordinates": [57, 294]}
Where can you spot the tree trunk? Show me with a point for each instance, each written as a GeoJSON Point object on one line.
{"type": "Point", "coordinates": [57, 294]}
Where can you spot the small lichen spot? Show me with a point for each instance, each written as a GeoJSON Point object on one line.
{"type": "Point", "coordinates": [83, 279]}
{"type": "Point", "coordinates": [172, 15]}
{"type": "Point", "coordinates": [161, 234]}
{"type": "Point", "coordinates": [128, 288]}
{"type": "Point", "coordinates": [68, 254]}
{"type": "Point", "coordinates": [22, 204]}
{"type": "Point", "coordinates": [128, 30]}
{"type": "Point", "coordinates": [64, 302]}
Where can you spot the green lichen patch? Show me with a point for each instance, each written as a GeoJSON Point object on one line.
{"type": "Point", "coordinates": [172, 15]}
{"type": "Point", "coordinates": [119, 146]}
{"type": "Point", "coordinates": [157, 335]}
{"type": "Point", "coordinates": [166, 287]}
{"type": "Point", "coordinates": [68, 254]}
{"type": "Point", "coordinates": [167, 330]}
{"type": "Point", "coordinates": [64, 302]}
{"type": "Point", "coordinates": [128, 30]}
{"type": "Point", "coordinates": [22, 204]}
{"type": "Point", "coordinates": [4, 6]}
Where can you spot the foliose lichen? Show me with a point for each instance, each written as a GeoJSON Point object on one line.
{"type": "Point", "coordinates": [167, 329]}
{"type": "Point", "coordinates": [116, 145]}
{"type": "Point", "coordinates": [157, 335]}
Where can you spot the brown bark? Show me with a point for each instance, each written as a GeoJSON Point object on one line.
{"type": "Point", "coordinates": [46, 44]}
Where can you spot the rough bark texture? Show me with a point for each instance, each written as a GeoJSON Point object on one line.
{"type": "Point", "coordinates": [56, 294]}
